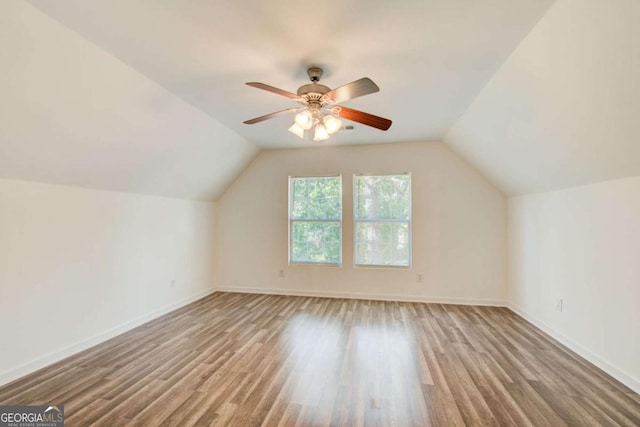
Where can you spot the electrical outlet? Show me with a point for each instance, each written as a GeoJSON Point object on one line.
{"type": "Point", "coordinates": [420, 277]}
{"type": "Point", "coordinates": [281, 273]}
{"type": "Point", "coordinates": [559, 304]}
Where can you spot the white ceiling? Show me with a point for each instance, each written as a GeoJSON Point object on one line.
{"type": "Point", "coordinates": [149, 96]}
{"type": "Point", "coordinates": [72, 114]}
{"type": "Point", "coordinates": [430, 58]}
{"type": "Point", "coordinates": [564, 109]}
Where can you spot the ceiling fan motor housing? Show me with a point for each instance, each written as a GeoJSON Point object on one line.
{"type": "Point", "coordinates": [312, 93]}
{"type": "Point", "coordinates": [313, 88]}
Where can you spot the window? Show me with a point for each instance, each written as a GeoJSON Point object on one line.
{"type": "Point", "coordinates": [315, 220]}
{"type": "Point", "coordinates": [382, 220]}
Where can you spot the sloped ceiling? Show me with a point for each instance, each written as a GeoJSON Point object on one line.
{"type": "Point", "coordinates": [72, 114]}
{"type": "Point", "coordinates": [564, 108]}
{"type": "Point", "coordinates": [429, 57]}
{"type": "Point", "coordinates": [149, 96]}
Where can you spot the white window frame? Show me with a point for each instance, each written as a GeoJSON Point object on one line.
{"type": "Point", "coordinates": [409, 221]}
{"type": "Point", "coordinates": [291, 221]}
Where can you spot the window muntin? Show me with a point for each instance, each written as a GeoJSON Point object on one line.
{"type": "Point", "coordinates": [315, 220]}
{"type": "Point", "coordinates": [382, 220]}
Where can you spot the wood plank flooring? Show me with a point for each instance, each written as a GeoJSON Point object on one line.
{"type": "Point", "coordinates": [250, 360]}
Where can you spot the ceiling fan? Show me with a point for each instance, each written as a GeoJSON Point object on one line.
{"type": "Point", "coordinates": [319, 109]}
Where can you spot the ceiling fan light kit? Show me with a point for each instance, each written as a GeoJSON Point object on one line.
{"type": "Point", "coordinates": [324, 124]}
{"type": "Point", "coordinates": [319, 112]}
{"type": "Point", "coordinates": [304, 119]}
{"type": "Point", "coordinates": [297, 130]}
{"type": "Point", "coordinates": [332, 124]}
{"type": "Point", "coordinates": [320, 133]}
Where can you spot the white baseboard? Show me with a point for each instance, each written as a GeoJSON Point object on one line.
{"type": "Point", "coordinates": [606, 366]}
{"type": "Point", "coordinates": [48, 359]}
{"type": "Point", "coordinates": [364, 296]}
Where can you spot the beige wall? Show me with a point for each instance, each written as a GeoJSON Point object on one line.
{"type": "Point", "coordinates": [582, 245]}
{"type": "Point", "coordinates": [79, 266]}
{"type": "Point", "coordinates": [459, 227]}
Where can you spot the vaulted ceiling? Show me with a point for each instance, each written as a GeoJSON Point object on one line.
{"type": "Point", "coordinates": [149, 96]}
{"type": "Point", "coordinates": [563, 110]}
{"type": "Point", "coordinates": [430, 58]}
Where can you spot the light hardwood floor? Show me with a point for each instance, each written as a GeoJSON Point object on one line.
{"type": "Point", "coordinates": [249, 360]}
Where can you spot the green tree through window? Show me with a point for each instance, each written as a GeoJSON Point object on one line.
{"type": "Point", "coordinates": [315, 220]}
{"type": "Point", "coordinates": [382, 220]}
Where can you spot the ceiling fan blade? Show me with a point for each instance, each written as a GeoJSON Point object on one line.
{"type": "Point", "coordinates": [273, 89]}
{"type": "Point", "coordinates": [269, 116]}
{"type": "Point", "coordinates": [361, 87]}
{"type": "Point", "coordinates": [364, 118]}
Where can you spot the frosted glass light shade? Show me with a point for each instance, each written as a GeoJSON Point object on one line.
{"type": "Point", "coordinates": [332, 124]}
{"type": "Point", "coordinates": [321, 133]}
{"type": "Point", "coordinates": [297, 130]}
{"type": "Point", "coordinates": [304, 119]}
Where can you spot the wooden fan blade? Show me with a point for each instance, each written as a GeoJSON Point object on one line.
{"type": "Point", "coordinates": [273, 89]}
{"type": "Point", "coordinates": [361, 87]}
{"type": "Point", "coordinates": [364, 118]}
{"type": "Point", "coordinates": [269, 116]}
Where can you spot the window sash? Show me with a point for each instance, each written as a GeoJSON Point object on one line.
{"type": "Point", "coordinates": [292, 198]}
{"type": "Point", "coordinates": [357, 220]}
{"type": "Point", "coordinates": [292, 221]}
{"type": "Point", "coordinates": [338, 243]}
{"type": "Point", "coordinates": [384, 247]}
